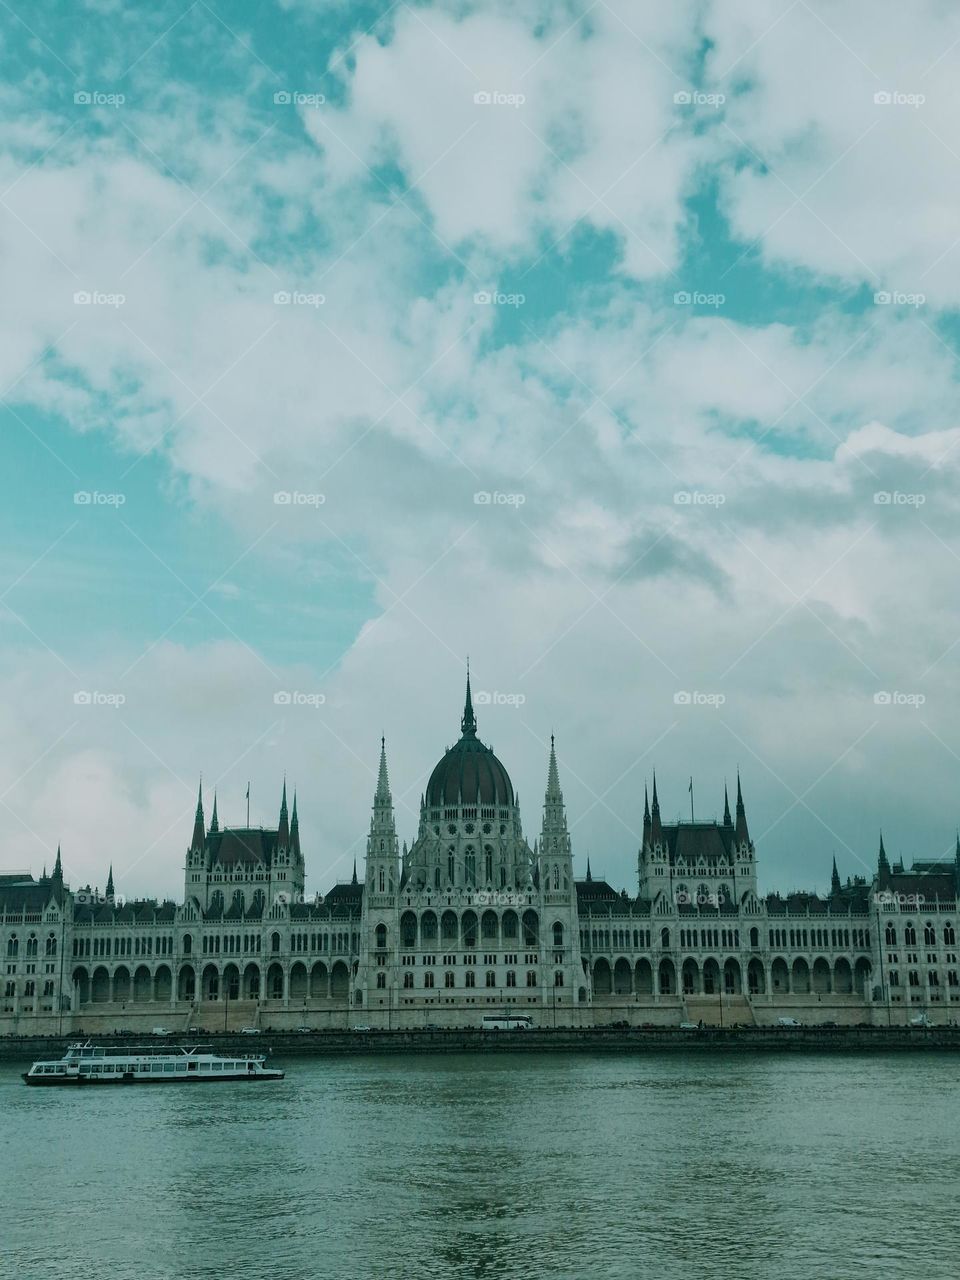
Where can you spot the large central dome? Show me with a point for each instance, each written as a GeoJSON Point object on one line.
{"type": "Point", "coordinates": [469, 772]}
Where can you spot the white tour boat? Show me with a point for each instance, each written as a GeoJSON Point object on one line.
{"type": "Point", "coordinates": [92, 1064]}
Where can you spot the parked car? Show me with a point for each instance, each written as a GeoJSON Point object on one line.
{"type": "Point", "coordinates": [690, 1026]}
{"type": "Point", "coordinates": [788, 1022]}
{"type": "Point", "coordinates": [304, 1031]}
{"type": "Point", "coordinates": [159, 1031]}
{"type": "Point", "coordinates": [360, 1028]}
{"type": "Point", "coordinates": [249, 1031]}
{"type": "Point", "coordinates": [921, 1020]}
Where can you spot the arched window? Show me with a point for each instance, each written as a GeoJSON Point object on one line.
{"type": "Point", "coordinates": [558, 978]}
{"type": "Point", "coordinates": [238, 899]}
{"type": "Point", "coordinates": [408, 929]}
{"type": "Point", "coordinates": [275, 942]}
{"type": "Point", "coordinates": [32, 943]}
{"type": "Point", "coordinates": [470, 865]}
{"type": "Point", "coordinates": [558, 934]}
{"type": "Point", "coordinates": [13, 945]}
{"type": "Point", "coordinates": [754, 937]}
{"type": "Point", "coordinates": [470, 979]}
{"type": "Point", "coordinates": [664, 937]}
{"type": "Point", "coordinates": [450, 865]}
{"type": "Point", "coordinates": [891, 936]}
{"type": "Point", "coordinates": [556, 876]}
{"type": "Point", "coordinates": [949, 937]}
{"type": "Point", "coordinates": [51, 945]}
{"type": "Point", "coordinates": [531, 929]}
{"type": "Point", "coordinates": [487, 864]}
{"type": "Point", "coordinates": [381, 937]}
{"type": "Point", "coordinates": [929, 935]}
{"type": "Point", "coordinates": [910, 936]}
{"type": "Point", "coordinates": [383, 876]}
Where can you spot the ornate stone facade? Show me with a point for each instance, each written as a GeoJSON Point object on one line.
{"type": "Point", "coordinates": [472, 920]}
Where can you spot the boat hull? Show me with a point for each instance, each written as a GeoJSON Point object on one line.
{"type": "Point", "coordinates": [49, 1082]}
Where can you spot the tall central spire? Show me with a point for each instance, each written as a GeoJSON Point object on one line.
{"type": "Point", "coordinates": [468, 724]}
{"type": "Point", "coordinates": [382, 795]}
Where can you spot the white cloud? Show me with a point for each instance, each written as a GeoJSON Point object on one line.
{"type": "Point", "coordinates": [835, 182]}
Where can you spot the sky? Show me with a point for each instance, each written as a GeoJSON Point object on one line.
{"type": "Point", "coordinates": [612, 345]}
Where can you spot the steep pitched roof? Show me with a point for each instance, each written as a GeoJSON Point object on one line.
{"type": "Point", "coordinates": [242, 846]}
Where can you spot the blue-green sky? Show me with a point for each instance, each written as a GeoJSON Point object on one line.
{"type": "Point", "coordinates": [676, 284]}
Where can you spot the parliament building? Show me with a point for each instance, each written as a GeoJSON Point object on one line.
{"type": "Point", "coordinates": [472, 920]}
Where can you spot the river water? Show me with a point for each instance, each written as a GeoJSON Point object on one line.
{"type": "Point", "coordinates": [581, 1166]}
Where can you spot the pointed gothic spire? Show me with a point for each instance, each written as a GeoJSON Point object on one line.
{"type": "Point", "coordinates": [58, 867]}
{"type": "Point", "coordinates": [646, 815]}
{"type": "Point", "coordinates": [353, 879]}
{"type": "Point", "coordinates": [294, 820]}
{"type": "Point", "coordinates": [198, 834]}
{"type": "Point", "coordinates": [283, 830]}
{"type": "Point", "coordinates": [835, 877]}
{"type": "Point", "coordinates": [468, 724]}
{"type": "Point", "coordinates": [110, 891]}
{"type": "Point", "coordinates": [743, 836]}
{"type": "Point", "coordinates": [656, 829]}
{"type": "Point", "coordinates": [553, 777]}
{"type": "Point", "coordinates": [383, 782]}
{"type": "Point", "coordinates": [883, 865]}
{"type": "Point", "coordinates": [214, 820]}
{"type": "Point", "coordinates": [589, 872]}
{"type": "Point", "coordinates": [727, 820]}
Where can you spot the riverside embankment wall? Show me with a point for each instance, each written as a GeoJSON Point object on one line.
{"type": "Point", "coordinates": [564, 1040]}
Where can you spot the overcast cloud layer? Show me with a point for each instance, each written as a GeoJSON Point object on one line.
{"type": "Point", "coordinates": [613, 345]}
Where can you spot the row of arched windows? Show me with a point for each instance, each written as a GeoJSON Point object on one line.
{"type": "Point", "coordinates": [31, 946]}
{"type": "Point", "coordinates": [469, 979]}
{"type": "Point", "coordinates": [929, 934]}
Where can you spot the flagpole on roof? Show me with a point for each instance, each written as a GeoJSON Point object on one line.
{"type": "Point", "coordinates": [691, 799]}
{"type": "Point", "coordinates": [248, 805]}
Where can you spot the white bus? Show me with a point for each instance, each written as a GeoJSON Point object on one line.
{"type": "Point", "coordinates": [507, 1022]}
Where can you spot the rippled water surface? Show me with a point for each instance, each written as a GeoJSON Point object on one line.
{"type": "Point", "coordinates": [562, 1166]}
